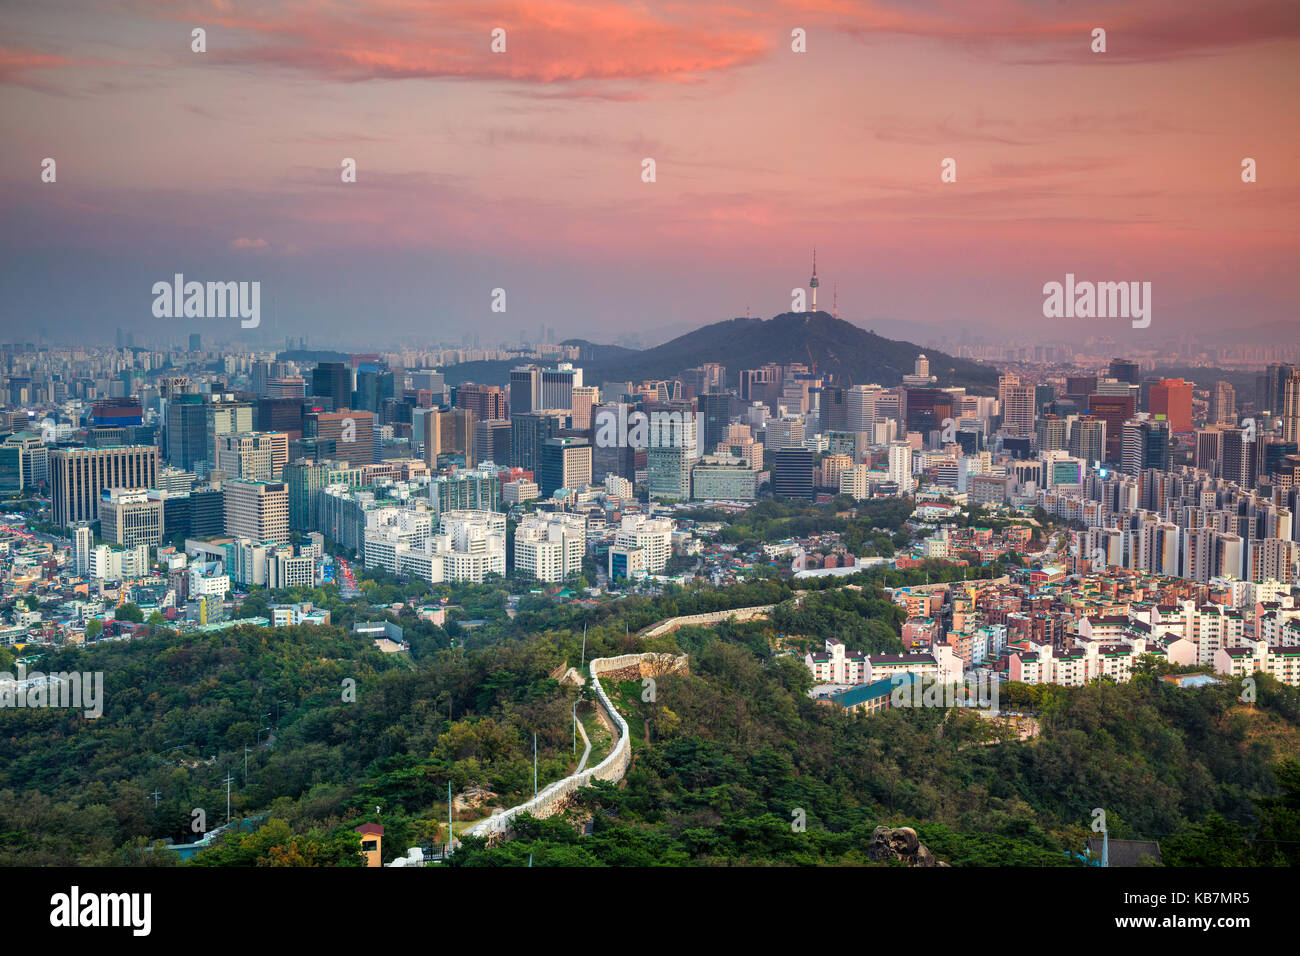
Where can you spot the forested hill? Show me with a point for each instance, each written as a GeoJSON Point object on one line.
{"type": "Point", "coordinates": [840, 349]}
{"type": "Point", "coordinates": [725, 758]}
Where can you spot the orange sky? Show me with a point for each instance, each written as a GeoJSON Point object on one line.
{"type": "Point", "coordinates": [522, 170]}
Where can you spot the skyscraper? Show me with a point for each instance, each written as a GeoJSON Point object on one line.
{"type": "Point", "coordinates": [79, 476]}
{"type": "Point", "coordinates": [333, 380]}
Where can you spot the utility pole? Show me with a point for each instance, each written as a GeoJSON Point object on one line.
{"type": "Point", "coordinates": [155, 796]}
{"type": "Point", "coordinates": [584, 647]}
{"type": "Point", "coordinates": [245, 764]}
{"type": "Point", "coordinates": [449, 838]}
{"type": "Point", "coordinates": [575, 726]}
{"type": "Point", "coordinates": [229, 781]}
{"type": "Point", "coordinates": [534, 763]}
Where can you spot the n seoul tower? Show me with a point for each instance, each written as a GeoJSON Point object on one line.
{"type": "Point", "coordinates": [812, 283]}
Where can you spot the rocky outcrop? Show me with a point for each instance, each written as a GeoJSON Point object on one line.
{"type": "Point", "coordinates": [900, 843]}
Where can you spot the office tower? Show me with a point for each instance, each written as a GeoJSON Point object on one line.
{"type": "Point", "coordinates": [525, 390]}
{"type": "Point", "coordinates": [860, 410]}
{"type": "Point", "coordinates": [584, 398]}
{"type": "Point", "coordinates": [783, 433]}
{"type": "Point", "coordinates": [492, 441]}
{"type": "Point", "coordinates": [375, 385]}
{"type": "Point", "coordinates": [83, 539]}
{"type": "Point", "coordinates": [1079, 387]}
{"type": "Point", "coordinates": [566, 463]}
{"type": "Point", "coordinates": [280, 415]}
{"type": "Point", "coordinates": [1051, 434]}
{"type": "Point", "coordinates": [528, 432]}
{"type": "Point", "coordinates": [449, 437]}
{"type": "Point", "coordinates": [224, 416]}
{"type": "Point", "coordinates": [792, 473]}
{"type": "Point", "coordinates": [260, 456]}
{"type": "Point", "coordinates": [259, 375]}
{"type": "Point", "coordinates": [286, 388]}
{"type": "Point", "coordinates": [30, 458]}
{"type": "Point", "coordinates": [715, 409]}
{"type": "Point", "coordinates": [304, 479]}
{"type": "Point", "coordinates": [1017, 409]}
{"type": "Point", "coordinates": [79, 476]}
{"type": "Point", "coordinates": [558, 384]}
{"type": "Point", "coordinates": [1044, 397]}
{"type": "Point", "coordinates": [1088, 440]}
{"type": "Point", "coordinates": [346, 435]}
{"type": "Point", "coordinates": [1291, 407]}
{"type": "Point", "coordinates": [186, 431]}
{"type": "Point", "coordinates": [668, 473]}
{"type": "Point", "coordinates": [1114, 410]}
{"type": "Point", "coordinates": [900, 466]}
{"type": "Point", "coordinates": [1172, 397]}
{"type": "Point", "coordinates": [487, 402]}
{"type": "Point", "coordinates": [1223, 404]}
{"type": "Point", "coordinates": [196, 342]}
{"type": "Point", "coordinates": [1208, 450]}
{"type": "Point", "coordinates": [1122, 370]}
{"type": "Point", "coordinates": [258, 510]}
{"type": "Point", "coordinates": [1271, 396]}
{"type": "Point", "coordinates": [333, 380]}
{"type": "Point", "coordinates": [1236, 457]}
{"type": "Point", "coordinates": [833, 409]}
{"type": "Point", "coordinates": [1145, 445]}
{"type": "Point", "coordinates": [129, 517]}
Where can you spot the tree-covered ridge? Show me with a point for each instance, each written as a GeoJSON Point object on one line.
{"type": "Point", "coordinates": [723, 756]}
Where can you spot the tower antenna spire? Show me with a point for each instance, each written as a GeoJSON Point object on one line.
{"type": "Point", "coordinates": [812, 283]}
{"type": "Point", "coordinates": [835, 298]}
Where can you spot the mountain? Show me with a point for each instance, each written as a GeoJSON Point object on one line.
{"type": "Point", "coordinates": [851, 355]}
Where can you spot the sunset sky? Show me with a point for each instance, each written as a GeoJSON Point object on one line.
{"type": "Point", "coordinates": [522, 170]}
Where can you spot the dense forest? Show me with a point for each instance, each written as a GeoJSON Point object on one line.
{"type": "Point", "coordinates": [727, 757]}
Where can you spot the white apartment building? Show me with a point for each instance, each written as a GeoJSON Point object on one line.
{"type": "Point", "coordinates": [652, 536]}
{"type": "Point", "coordinates": [551, 547]}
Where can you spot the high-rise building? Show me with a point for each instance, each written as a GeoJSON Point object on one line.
{"type": "Point", "coordinates": [566, 463]}
{"type": "Point", "coordinates": [1114, 410]}
{"type": "Point", "coordinates": [860, 411]}
{"type": "Point", "coordinates": [1223, 404]}
{"type": "Point", "coordinates": [792, 473]}
{"type": "Point", "coordinates": [487, 402]}
{"type": "Point", "coordinates": [1017, 409]}
{"type": "Point", "coordinates": [258, 510]}
{"type": "Point", "coordinates": [449, 437]}
{"type": "Point", "coordinates": [492, 441]}
{"type": "Point", "coordinates": [584, 398]}
{"type": "Point", "coordinates": [558, 384]}
{"type": "Point", "coordinates": [525, 390]}
{"type": "Point", "coordinates": [1088, 439]}
{"type": "Point", "coordinates": [186, 430]}
{"type": "Point", "coordinates": [79, 476]}
{"type": "Point", "coordinates": [333, 380]}
{"type": "Point", "coordinates": [1172, 398]}
{"type": "Point", "coordinates": [347, 435]}
{"type": "Point", "coordinates": [900, 466]}
{"type": "Point", "coordinates": [550, 547]}
{"type": "Point", "coordinates": [1122, 370]}
{"type": "Point", "coordinates": [528, 432]}
{"type": "Point", "coordinates": [1145, 445]}
{"type": "Point", "coordinates": [129, 517]}
{"type": "Point", "coordinates": [1291, 407]}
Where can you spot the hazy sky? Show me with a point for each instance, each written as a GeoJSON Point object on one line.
{"type": "Point", "coordinates": [522, 170]}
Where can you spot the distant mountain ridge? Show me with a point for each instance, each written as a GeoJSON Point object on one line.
{"type": "Point", "coordinates": [836, 348]}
